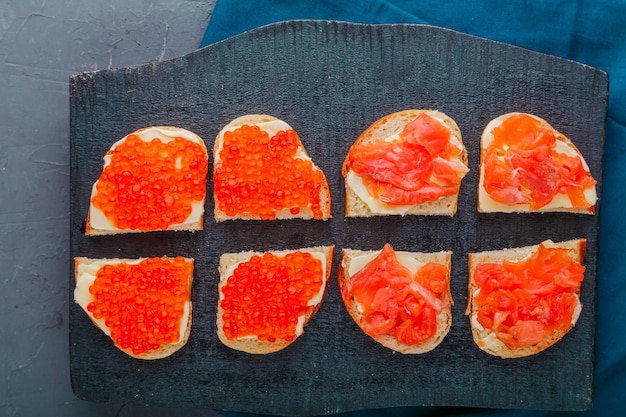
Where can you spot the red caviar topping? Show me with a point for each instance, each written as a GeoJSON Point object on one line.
{"type": "Point", "coordinates": [523, 166]}
{"type": "Point", "coordinates": [260, 176]}
{"type": "Point", "coordinates": [265, 295]}
{"type": "Point", "coordinates": [142, 304]}
{"type": "Point", "coordinates": [151, 185]}
{"type": "Point", "coordinates": [397, 303]}
{"type": "Point", "coordinates": [524, 302]}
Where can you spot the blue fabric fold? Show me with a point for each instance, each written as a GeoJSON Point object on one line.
{"type": "Point", "coordinates": [586, 31]}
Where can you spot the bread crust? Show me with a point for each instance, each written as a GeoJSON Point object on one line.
{"type": "Point", "coordinates": [305, 212]}
{"type": "Point", "coordinates": [577, 249]}
{"type": "Point", "coordinates": [484, 199]}
{"type": "Point", "coordinates": [164, 350]}
{"type": "Point", "coordinates": [188, 226]}
{"type": "Point", "coordinates": [254, 345]}
{"type": "Point", "coordinates": [444, 317]}
{"type": "Point", "coordinates": [184, 227]}
{"type": "Point", "coordinates": [387, 126]}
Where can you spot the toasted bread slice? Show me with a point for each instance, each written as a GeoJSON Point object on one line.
{"type": "Point", "coordinates": [268, 343]}
{"type": "Point", "coordinates": [253, 187]}
{"type": "Point", "coordinates": [354, 261]}
{"type": "Point", "coordinates": [360, 203]}
{"type": "Point", "coordinates": [85, 272]}
{"type": "Point", "coordinates": [149, 193]}
{"type": "Point", "coordinates": [487, 339]}
{"type": "Point", "coordinates": [514, 194]}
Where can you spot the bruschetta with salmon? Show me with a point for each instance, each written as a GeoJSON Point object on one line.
{"type": "Point", "coordinates": [523, 300]}
{"type": "Point", "coordinates": [528, 166]}
{"type": "Point", "coordinates": [400, 299]}
{"type": "Point", "coordinates": [407, 163]}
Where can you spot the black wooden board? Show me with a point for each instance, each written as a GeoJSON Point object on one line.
{"type": "Point", "coordinates": [330, 80]}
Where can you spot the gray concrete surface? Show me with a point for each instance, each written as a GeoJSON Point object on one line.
{"type": "Point", "coordinates": [43, 42]}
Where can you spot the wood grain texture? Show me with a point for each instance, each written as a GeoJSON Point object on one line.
{"type": "Point", "coordinates": [330, 81]}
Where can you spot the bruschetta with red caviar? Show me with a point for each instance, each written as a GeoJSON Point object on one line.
{"type": "Point", "coordinates": [523, 300]}
{"type": "Point", "coordinates": [265, 299]}
{"type": "Point", "coordinates": [528, 166]}
{"type": "Point", "coordinates": [400, 299]}
{"type": "Point", "coordinates": [407, 163]}
{"type": "Point", "coordinates": [262, 171]}
{"type": "Point", "coordinates": [143, 305]}
{"type": "Point", "coordinates": [152, 179]}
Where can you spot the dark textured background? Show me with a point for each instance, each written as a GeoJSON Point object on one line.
{"type": "Point", "coordinates": [329, 81]}
{"type": "Point", "coordinates": [42, 43]}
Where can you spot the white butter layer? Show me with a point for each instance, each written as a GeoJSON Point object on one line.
{"type": "Point", "coordinates": [577, 311]}
{"type": "Point", "coordinates": [559, 201]}
{"type": "Point", "coordinates": [86, 276]}
{"type": "Point", "coordinates": [99, 221]}
{"type": "Point", "coordinates": [490, 342]}
{"type": "Point", "coordinates": [406, 259]}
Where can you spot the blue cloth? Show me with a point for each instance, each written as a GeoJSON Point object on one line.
{"type": "Point", "coordinates": [592, 32]}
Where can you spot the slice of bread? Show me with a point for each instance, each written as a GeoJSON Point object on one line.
{"type": "Point", "coordinates": [486, 339]}
{"type": "Point", "coordinates": [443, 316]}
{"type": "Point", "coordinates": [85, 272]}
{"type": "Point", "coordinates": [271, 125]}
{"type": "Point", "coordinates": [150, 197]}
{"type": "Point", "coordinates": [251, 343]}
{"type": "Point", "coordinates": [561, 201]}
{"type": "Point", "coordinates": [359, 203]}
